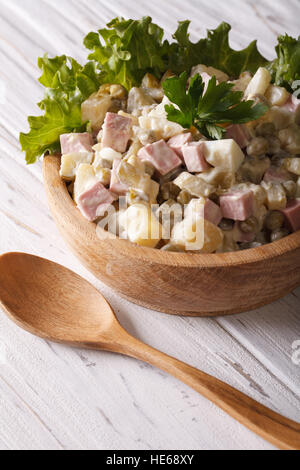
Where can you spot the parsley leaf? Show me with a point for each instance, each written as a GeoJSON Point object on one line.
{"type": "Point", "coordinates": [208, 110]}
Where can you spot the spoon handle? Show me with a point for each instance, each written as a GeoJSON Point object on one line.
{"type": "Point", "coordinates": [278, 430]}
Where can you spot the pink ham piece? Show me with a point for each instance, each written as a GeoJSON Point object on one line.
{"type": "Point", "coordinates": [242, 237]}
{"type": "Point", "coordinates": [240, 134]}
{"type": "Point", "coordinates": [276, 175]}
{"type": "Point", "coordinates": [178, 141]}
{"type": "Point", "coordinates": [116, 132]}
{"type": "Point", "coordinates": [194, 158]}
{"type": "Point", "coordinates": [238, 205]}
{"type": "Point", "coordinates": [212, 212]}
{"type": "Point", "coordinates": [76, 143]}
{"type": "Point", "coordinates": [162, 157]}
{"type": "Point", "coordinates": [115, 184]}
{"type": "Point", "coordinates": [292, 214]}
{"type": "Point", "coordinates": [94, 202]}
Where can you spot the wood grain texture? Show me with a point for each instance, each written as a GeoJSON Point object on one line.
{"type": "Point", "coordinates": [77, 315]}
{"type": "Point", "coordinates": [57, 398]}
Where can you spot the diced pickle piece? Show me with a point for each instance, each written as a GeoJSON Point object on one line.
{"type": "Point", "coordinates": [137, 98]}
{"type": "Point", "coordinates": [218, 177]}
{"type": "Point", "coordinates": [276, 196]}
{"type": "Point", "coordinates": [94, 110]}
{"type": "Point", "coordinates": [290, 139]}
{"type": "Point", "coordinates": [134, 179]}
{"type": "Point", "coordinates": [194, 185]}
{"type": "Point", "coordinates": [104, 176]}
{"type": "Point", "coordinates": [292, 165]}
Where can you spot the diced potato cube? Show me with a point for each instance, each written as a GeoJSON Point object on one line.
{"type": "Point", "coordinates": [292, 165]}
{"type": "Point", "coordinates": [220, 76]}
{"type": "Point", "coordinates": [141, 225]}
{"type": "Point", "coordinates": [70, 163]}
{"type": "Point", "coordinates": [156, 121]}
{"type": "Point", "coordinates": [276, 95]}
{"type": "Point", "coordinates": [224, 154]}
{"type": "Point", "coordinates": [259, 83]}
{"type": "Point", "coordinates": [276, 196]}
{"type": "Point", "coordinates": [242, 83]}
{"type": "Point", "coordinates": [162, 128]}
{"type": "Point", "coordinates": [194, 185]}
{"type": "Point", "coordinates": [197, 234]}
{"type": "Point", "coordinates": [85, 179]}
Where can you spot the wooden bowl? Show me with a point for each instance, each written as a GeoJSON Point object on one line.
{"type": "Point", "coordinates": [175, 283]}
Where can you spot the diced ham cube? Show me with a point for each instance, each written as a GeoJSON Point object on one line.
{"type": "Point", "coordinates": [194, 158]}
{"type": "Point", "coordinates": [178, 141]}
{"type": "Point", "coordinates": [162, 157]}
{"type": "Point", "coordinates": [292, 214]}
{"type": "Point", "coordinates": [242, 237]}
{"type": "Point", "coordinates": [116, 186]}
{"type": "Point", "coordinates": [276, 175]}
{"type": "Point", "coordinates": [238, 205]}
{"type": "Point", "coordinates": [76, 143]}
{"type": "Point", "coordinates": [240, 134]}
{"type": "Point", "coordinates": [212, 212]}
{"type": "Point", "coordinates": [116, 132]}
{"type": "Point", "coordinates": [95, 201]}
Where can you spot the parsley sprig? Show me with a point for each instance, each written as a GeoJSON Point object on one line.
{"type": "Point", "coordinates": [208, 110]}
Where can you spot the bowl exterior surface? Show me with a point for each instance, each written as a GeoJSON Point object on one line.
{"type": "Point", "coordinates": [182, 284]}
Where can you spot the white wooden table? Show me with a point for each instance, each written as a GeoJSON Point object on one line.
{"type": "Point", "coordinates": [52, 397]}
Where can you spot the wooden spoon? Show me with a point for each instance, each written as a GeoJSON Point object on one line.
{"type": "Point", "coordinates": [52, 302]}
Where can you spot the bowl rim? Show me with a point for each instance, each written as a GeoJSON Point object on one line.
{"type": "Point", "coordinates": [58, 194]}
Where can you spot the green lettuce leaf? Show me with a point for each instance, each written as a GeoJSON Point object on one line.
{"type": "Point", "coordinates": [213, 51]}
{"type": "Point", "coordinates": [67, 84]}
{"type": "Point", "coordinates": [123, 53]}
{"type": "Point", "coordinates": [286, 68]}
{"type": "Point", "coordinates": [127, 49]}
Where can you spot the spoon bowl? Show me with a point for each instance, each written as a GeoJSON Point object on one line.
{"type": "Point", "coordinates": [52, 302]}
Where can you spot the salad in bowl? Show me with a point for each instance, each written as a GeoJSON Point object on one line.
{"type": "Point", "coordinates": [178, 146]}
